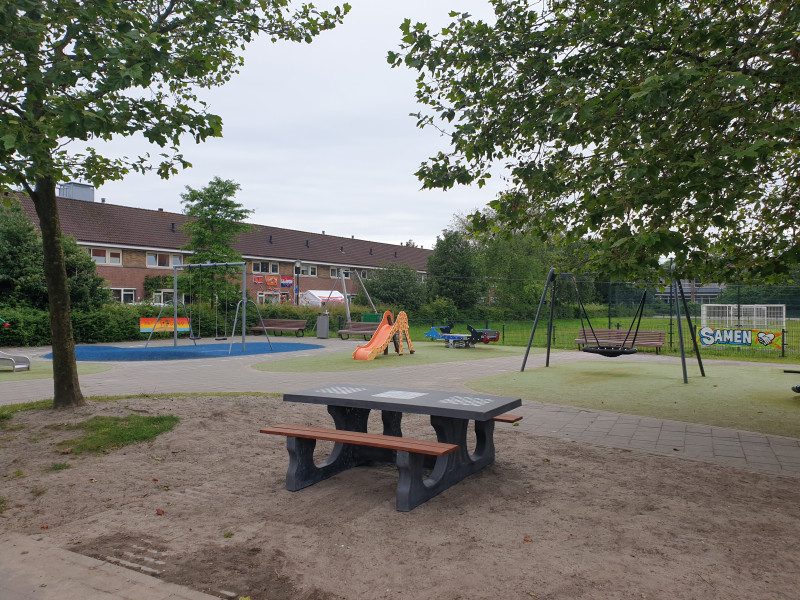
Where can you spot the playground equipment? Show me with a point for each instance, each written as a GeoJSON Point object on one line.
{"type": "Point", "coordinates": [242, 304]}
{"type": "Point", "coordinates": [609, 349]}
{"type": "Point", "coordinates": [389, 330]}
{"type": "Point", "coordinates": [465, 340]}
{"type": "Point", "coordinates": [16, 362]}
{"type": "Point", "coordinates": [333, 296]}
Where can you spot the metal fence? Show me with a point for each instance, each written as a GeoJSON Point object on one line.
{"type": "Point", "coordinates": [611, 305]}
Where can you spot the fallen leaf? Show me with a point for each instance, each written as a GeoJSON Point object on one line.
{"type": "Point", "coordinates": [159, 512]}
{"type": "Point", "coordinates": [527, 538]}
{"type": "Point", "coordinates": [155, 479]}
{"type": "Point", "coordinates": [545, 460]}
{"type": "Point", "coordinates": [65, 451]}
{"type": "Point", "coordinates": [45, 527]}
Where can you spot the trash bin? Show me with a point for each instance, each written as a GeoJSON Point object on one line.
{"type": "Point", "coordinates": [323, 324]}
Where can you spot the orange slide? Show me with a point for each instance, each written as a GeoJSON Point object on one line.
{"type": "Point", "coordinates": [379, 342]}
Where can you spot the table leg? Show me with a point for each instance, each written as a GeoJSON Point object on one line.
{"type": "Point", "coordinates": [413, 489]}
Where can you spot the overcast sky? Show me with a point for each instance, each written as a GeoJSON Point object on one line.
{"type": "Point", "coordinates": [319, 138]}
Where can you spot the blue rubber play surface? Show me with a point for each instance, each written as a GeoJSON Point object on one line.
{"type": "Point", "coordinates": [183, 352]}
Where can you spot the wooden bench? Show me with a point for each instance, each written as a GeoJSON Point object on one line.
{"type": "Point", "coordinates": [296, 326]}
{"type": "Point", "coordinates": [357, 328]}
{"type": "Point", "coordinates": [616, 337]}
{"type": "Point", "coordinates": [409, 457]}
{"type": "Point", "coordinates": [374, 440]}
{"type": "Point", "coordinates": [507, 418]}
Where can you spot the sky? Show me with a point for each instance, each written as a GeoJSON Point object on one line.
{"type": "Point", "coordinates": [319, 135]}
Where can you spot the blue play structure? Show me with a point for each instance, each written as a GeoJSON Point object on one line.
{"type": "Point", "coordinates": [463, 340]}
{"type": "Point", "coordinates": [114, 353]}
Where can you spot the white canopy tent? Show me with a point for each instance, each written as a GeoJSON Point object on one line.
{"type": "Point", "coordinates": [320, 297]}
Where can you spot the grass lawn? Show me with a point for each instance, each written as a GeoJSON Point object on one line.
{"type": "Point", "coordinates": [425, 353]}
{"type": "Point", "coordinates": [44, 370]}
{"type": "Point", "coordinates": [752, 398]}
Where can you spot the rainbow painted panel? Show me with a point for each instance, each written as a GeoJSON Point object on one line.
{"type": "Point", "coordinates": [148, 324]}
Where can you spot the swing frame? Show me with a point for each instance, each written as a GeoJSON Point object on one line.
{"type": "Point", "coordinates": [611, 351]}
{"type": "Point", "coordinates": [242, 304]}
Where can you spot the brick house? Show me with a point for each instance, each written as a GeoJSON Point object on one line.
{"type": "Point", "coordinates": [128, 244]}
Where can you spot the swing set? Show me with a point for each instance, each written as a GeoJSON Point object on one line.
{"type": "Point", "coordinates": [241, 305]}
{"type": "Point", "coordinates": [621, 346]}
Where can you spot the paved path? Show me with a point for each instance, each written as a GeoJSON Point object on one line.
{"type": "Point", "coordinates": [30, 569]}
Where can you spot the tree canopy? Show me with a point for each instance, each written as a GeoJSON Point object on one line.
{"type": "Point", "coordinates": [75, 72]}
{"type": "Point", "coordinates": [454, 271]}
{"type": "Point", "coordinates": [396, 284]}
{"type": "Point", "coordinates": [648, 129]}
{"type": "Point", "coordinates": [217, 221]}
{"type": "Point", "coordinates": [22, 267]}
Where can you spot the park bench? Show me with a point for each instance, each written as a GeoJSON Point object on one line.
{"type": "Point", "coordinates": [297, 326]}
{"type": "Point", "coordinates": [357, 328]}
{"type": "Point", "coordinates": [616, 337]}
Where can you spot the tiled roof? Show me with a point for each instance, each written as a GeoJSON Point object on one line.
{"type": "Point", "coordinates": [111, 224]}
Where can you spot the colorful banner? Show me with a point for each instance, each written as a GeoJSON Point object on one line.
{"type": "Point", "coordinates": [708, 336]}
{"type": "Point", "coordinates": [268, 280]}
{"type": "Point", "coordinates": [287, 281]}
{"type": "Point", "coordinates": [148, 324]}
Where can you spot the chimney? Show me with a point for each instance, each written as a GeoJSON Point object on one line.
{"type": "Point", "coordinates": [160, 210]}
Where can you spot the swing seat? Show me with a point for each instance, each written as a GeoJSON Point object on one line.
{"type": "Point", "coordinates": [609, 351]}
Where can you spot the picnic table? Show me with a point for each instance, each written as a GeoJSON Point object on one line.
{"type": "Point", "coordinates": [350, 405]}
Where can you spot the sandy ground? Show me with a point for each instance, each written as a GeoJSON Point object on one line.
{"type": "Point", "coordinates": [550, 519]}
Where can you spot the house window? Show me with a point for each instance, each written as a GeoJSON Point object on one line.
{"type": "Point", "coordinates": [272, 268]}
{"type": "Point", "coordinates": [268, 297]}
{"type": "Point", "coordinates": [308, 270]}
{"type": "Point", "coordinates": [124, 295]}
{"type": "Point", "coordinates": [364, 274]}
{"type": "Point", "coordinates": [344, 272]}
{"type": "Point", "coordinates": [163, 259]}
{"type": "Point", "coordinates": [164, 296]}
{"type": "Point", "coordinates": [102, 256]}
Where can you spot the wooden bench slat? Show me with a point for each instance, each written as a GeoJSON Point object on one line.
{"type": "Point", "coordinates": [507, 418]}
{"type": "Point", "coordinates": [363, 439]}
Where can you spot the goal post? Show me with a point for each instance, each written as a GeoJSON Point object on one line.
{"type": "Point", "coordinates": [747, 316]}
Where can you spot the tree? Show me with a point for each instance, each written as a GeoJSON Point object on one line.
{"type": "Point", "coordinates": [453, 270]}
{"type": "Point", "coordinates": [22, 267]}
{"type": "Point", "coordinates": [74, 72]}
{"type": "Point", "coordinates": [396, 284]}
{"type": "Point", "coordinates": [516, 269]}
{"type": "Point", "coordinates": [216, 221]}
{"type": "Point", "coordinates": [647, 129]}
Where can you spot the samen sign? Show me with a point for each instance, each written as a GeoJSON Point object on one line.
{"type": "Point", "coordinates": [708, 336]}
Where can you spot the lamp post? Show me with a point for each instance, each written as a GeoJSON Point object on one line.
{"type": "Point", "coordinates": [297, 267]}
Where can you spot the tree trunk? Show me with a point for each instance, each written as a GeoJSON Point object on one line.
{"type": "Point", "coordinates": [66, 388]}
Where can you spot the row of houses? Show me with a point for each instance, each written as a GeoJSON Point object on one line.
{"type": "Point", "coordinates": [129, 244]}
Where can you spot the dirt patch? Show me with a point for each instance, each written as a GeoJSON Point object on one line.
{"type": "Point", "coordinates": [205, 506]}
